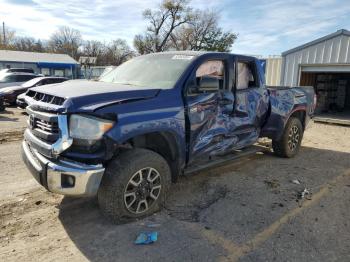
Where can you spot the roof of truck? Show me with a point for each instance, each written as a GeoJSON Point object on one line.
{"type": "Point", "coordinates": [198, 53]}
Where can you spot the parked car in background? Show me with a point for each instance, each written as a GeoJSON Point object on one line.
{"type": "Point", "coordinates": [11, 79]}
{"type": "Point", "coordinates": [21, 103]}
{"type": "Point", "coordinates": [10, 93]}
{"type": "Point", "coordinates": [17, 70]}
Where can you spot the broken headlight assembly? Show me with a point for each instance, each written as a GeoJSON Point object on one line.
{"type": "Point", "coordinates": [87, 130]}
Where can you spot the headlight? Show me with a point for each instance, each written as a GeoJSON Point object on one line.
{"type": "Point", "coordinates": [88, 127]}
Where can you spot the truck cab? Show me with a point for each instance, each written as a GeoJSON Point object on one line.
{"type": "Point", "coordinates": [129, 135]}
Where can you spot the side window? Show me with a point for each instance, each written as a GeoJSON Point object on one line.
{"type": "Point", "coordinates": [8, 79]}
{"type": "Point", "coordinates": [12, 78]}
{"type": "Point", "coordinates": [23, 78]}
{"type": "Point", "coordinates": [209, 77]}
{"type": "Point", "coordinates": [40, 83]}
{"type": "Point", "coordinates": [46, 82]}
{"type": "Point", "coordinates": [246, 75]}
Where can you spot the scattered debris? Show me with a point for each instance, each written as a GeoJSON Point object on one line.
{"type": "Point", "coordinates": [154, 225]}
{"type": "Point", "coordinates": [207, 227]}
{"type": "Point", "coordinates": [296, 181]}
{"type": "Point", "coordinates": [305, 193]}
{"type": "Point", "coordinates": [273, 183]}
{"type": "Point", "coordinates": [146, 238]}
{"type": "Point", "coordinates": [38, 202]}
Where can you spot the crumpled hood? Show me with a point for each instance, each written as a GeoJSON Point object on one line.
{"type": "Point", "coordinates": [83, 95]}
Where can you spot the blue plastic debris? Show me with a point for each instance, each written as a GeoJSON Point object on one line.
{"type": "Point", "coordinates": [146, 238]}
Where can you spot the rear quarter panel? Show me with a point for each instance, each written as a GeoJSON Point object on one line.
{"type": "Point", "coordinates": [284, 102]}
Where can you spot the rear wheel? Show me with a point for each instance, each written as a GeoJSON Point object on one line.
{"type": "Point", "coordinates": [2, 106]}
{"type": "Point", "coordinates": [289, 144]}
{"type": "Point", "coordinates": [134, 185]}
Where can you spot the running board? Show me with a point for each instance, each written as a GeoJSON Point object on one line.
{"type": "Point", "coordinates": [220, 160]}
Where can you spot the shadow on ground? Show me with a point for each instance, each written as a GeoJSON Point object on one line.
{"type": "Point", "coordinates": [237, 201]}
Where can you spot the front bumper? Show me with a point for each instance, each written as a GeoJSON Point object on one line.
{"type": "Point", "coordinates": [10, 99]}
{"type": "Point", "coordinates": [21, 103]}
{"type": "Point", "coordinates": [54, 174]}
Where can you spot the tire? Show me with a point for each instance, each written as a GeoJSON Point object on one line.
{"type": "Point", "coordinates": [289, 144]}
{"type": "Point", "coordinates": [117, 190]}
{"type": "Point", "coordinates": [2, 106]}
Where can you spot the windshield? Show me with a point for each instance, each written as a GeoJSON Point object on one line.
{"type": "Point", "coordinates": [156, 70]}
{"type": "Point", "coordinates": [31, 82]}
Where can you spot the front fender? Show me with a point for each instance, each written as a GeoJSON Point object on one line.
{"type": "Point", "coordinates": [135, 124]}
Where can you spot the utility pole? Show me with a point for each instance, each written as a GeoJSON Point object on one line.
{"type": "Point", "coordinates": [4, 35]}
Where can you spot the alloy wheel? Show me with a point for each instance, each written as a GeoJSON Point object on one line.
{"type": "Point", "coordinates": [293, 138]}
{"type": "Point", "coordinates": [142, 190]}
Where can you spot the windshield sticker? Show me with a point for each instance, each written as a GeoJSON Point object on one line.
{"type": "Point", "coordinates": [185, 57]}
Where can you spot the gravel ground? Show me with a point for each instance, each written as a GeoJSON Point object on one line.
{"type": "Point", "coordinates": [12, 124]}
{"type": "Point", "coordinates": [247, 211]}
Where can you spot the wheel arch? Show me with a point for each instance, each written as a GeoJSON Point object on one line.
{"type": "Point", "coordinates": [300, 114]}
{"type": "Point", "coordinates": [165, 144]}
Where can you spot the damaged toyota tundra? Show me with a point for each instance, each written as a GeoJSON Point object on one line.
{"type": "Point", "coordinates": [129, 135]}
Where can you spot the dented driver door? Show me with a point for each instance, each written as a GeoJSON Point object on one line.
{"type": "Point", "coordinates": [209, 112]}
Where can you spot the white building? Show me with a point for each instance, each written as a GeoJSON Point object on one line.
{"type": "Point", "coordinates": [324, 64]}
{"type": "Point", "coordinates": [273, 70]}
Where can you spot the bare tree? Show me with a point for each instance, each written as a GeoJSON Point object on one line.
{"type": "Point", "coordinates": [28, 44]}
{"type": "Point", "coordinates": [144, 44]}
{"type": "Point", "coordinates": [93, 48]}
{"type": "Point", "coordinates": [114, 53]}
{"type": "Point", "coordinates": [170, 15]}
{"type": "Point", "coordinates": [118, 52]}
{"type": "Point", "coordinates": [10, 36]}
{"type": "Point", "coordinates": [66, 40]}
{"type": "Point", "coordinates": [203, 33]}
{"type": "Point", "coordinates": [177, 26]}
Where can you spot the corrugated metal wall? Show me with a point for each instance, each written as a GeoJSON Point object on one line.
{"type": "Point", "coordinates": [273, 71]}
{"type": "Point", "coordinates": [334, 51]}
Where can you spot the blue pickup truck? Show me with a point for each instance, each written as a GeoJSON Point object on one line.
{"type": "Point", "coordinates": [129, 135]}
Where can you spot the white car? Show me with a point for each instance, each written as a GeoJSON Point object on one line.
{"type": "Point", "coordinates": [13, 79]}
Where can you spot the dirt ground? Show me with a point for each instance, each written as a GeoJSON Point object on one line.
{"type": "Point", "coordinates": [12, 124]}
{"type": "Point", "coordinates": [248, 211]}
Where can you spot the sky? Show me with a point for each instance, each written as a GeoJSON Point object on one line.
{"type": "Point", "coordinates": [263, 27]}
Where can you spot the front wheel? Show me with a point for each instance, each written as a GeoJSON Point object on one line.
{"type": "Point", "coordinates": [134, 185]}
{"type": "Point", "coordinates": [289, 144]}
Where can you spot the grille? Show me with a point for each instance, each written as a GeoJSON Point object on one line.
{"type": "Point", "coordinates": [50, 99]}
{"type": "Point", "coordinates": [50, 127]}
{"type": "Point", "coordinates": [42, 128]}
